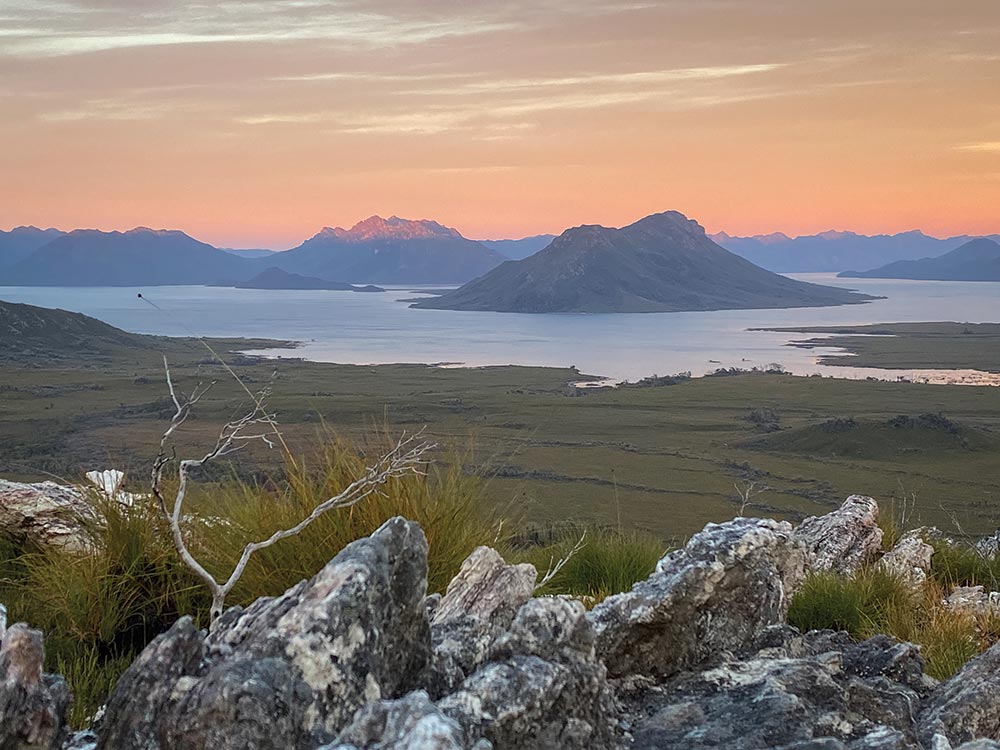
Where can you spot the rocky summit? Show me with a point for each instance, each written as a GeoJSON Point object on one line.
{"type": "Point", "coordinates": [699, 656]}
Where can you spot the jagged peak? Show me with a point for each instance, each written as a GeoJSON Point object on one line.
{"type": "Point", "coordinates": [375, 227]}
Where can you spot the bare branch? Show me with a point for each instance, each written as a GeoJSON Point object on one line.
{"type": "Point", "coordinates": [407, 456]}
{"type": "Point", "coordinates": [557, 565]}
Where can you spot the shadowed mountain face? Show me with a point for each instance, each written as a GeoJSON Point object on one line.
{"type": "Point", "coordinates": [275, 278]}
{"type": "Point", "coordinates": [662, 263]}
{"type": "Point", "coordinates": [520, 249]}
{"type": "Point", "coordinates": [87, 257]}
{"type": "Point", "coordinates": [978, 260]}
{"type": "Point", "coordinates": [389, 251]}
{"type": "Point", "coordinates": [29, 332]}
{"type": "Point", "coordinates": [21, 242]}
{"type": "Point", "coordinates": [835, 251]}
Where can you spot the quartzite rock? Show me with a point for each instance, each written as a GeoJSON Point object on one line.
{"type": "Point", "coordinates": [845, 539]}
{"type": "Point", "coordinates": [44, 515]}
{"type": "Point", "coordinates": [716, 594]}
{"type": "Point", "coordinates": [966, 707]}
{"type": "Point", "coordinates": [33, 705]}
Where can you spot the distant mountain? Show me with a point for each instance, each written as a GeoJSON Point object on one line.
{"type": "Point", "coordinates": [139, 257]}
{"type": "Point", "coordinates": [519, 249]}
{"type": "Point", "coordinates": [977, 260]}
{"type": "Point", "coordinates": [389, 251]}
{"type": "Point", "coordinates": [240, 252]}
{"type": "Point", "coordinates": [20, 242]}
{"type": "Point", "coordinates": [275, 278]}
{"type": "Point", "coordinates": [662, 263]}
{"type": "Point", "coordinates": [834, 251]}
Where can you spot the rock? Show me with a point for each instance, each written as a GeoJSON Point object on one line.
{"type": "Point", "coordinates": [479, 605]}
{"type": "Point", "coordinates": [716, 594]}
{"type": "Point", "coordinates": [44, 515]}
{"type": "Point", "coordinates": [33, 705]}
{"type": "Point", "coordinates": [989, 546]}
{"type": "Point", "coordinates": [844, 540]}
{"type": "Point", "coordinates": [965, 707]}
{"type": "Point", "coordinates": [973, 600]}
{"type": "Point", "coordinates": [410, 723]}
{"type": "Point", "coordinates": [287, 672]}
{"type": "Point", "coordinates": [542, 686]}
{"type": "Point", "coordinates": [818, 690]}
{"type": "Point", "coordinates": [909, 559]}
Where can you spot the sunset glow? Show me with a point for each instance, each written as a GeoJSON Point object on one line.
{"type": "Point", "coordinates": [257, 123]}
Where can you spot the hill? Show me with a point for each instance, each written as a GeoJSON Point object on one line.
{"type": "Point", "coordinates": [662, 263]}
{"type": "Point", "coordinates": [20, 242]}
{"type": "Point", "coordinates": [519, 249]}
{"type": "Point", "coordinates": [829, 252]}
{"type": "Point", "coordinates": [139, 257]}
{"type": "Point", "coordinates": [275, 278]}
{"type": "Point", "coordinates": [389, 251]}
{"type": "Point", "coordinates": [977, 260]}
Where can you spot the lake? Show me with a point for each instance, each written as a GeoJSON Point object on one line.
{"type": "Point", "coordinates": [361, 328]}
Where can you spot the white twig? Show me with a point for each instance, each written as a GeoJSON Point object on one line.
{"type": "Point", "coordinates": [556, 565]}
{"type": "Point", "coordinates": [406, 457]}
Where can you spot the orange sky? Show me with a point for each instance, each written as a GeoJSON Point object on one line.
{"type": "Point", "coordinates": [256, 123]}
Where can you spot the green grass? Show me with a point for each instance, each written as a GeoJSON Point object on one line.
{"type": "Point", "coordinates": [608, 562]}
{"type": "Point", "coordinates": [874, 602]}
{"type": "Point", "coordinates": [963, 565]}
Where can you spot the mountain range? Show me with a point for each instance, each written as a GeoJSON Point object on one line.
{"type": "Point", "coordinates": [380, 251]}
{"type": "Point", "coordinates": [662, 263]}
{"type": "Point", "coordinates": [976, 260]}
{"type": "Point", "coordinates": [832, 252]}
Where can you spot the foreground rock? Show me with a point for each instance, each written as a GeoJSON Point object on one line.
{"type": "Point", "coordinates": [844, 540]}
{"type": "Point", "coordinates": [542, 687]}
{"type": "Point", "coordinates": [966, 707]}
{"type": "Point", "coordinates": [288, 672]}
{"type": "Point", "coordinates": [33, 705]}
{"type": "Point", "coordinates": [909, 559]}
{"type": "Point", "coordinates": [479, 605]}
{"type": "Point", "coordinates": [716, 594]}
{"type": "Point", "coordinates": [791, 689]}
{"type": "Point", "coordinates": [43, 515]}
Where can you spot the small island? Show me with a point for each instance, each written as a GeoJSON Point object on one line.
{"type": "Point", "coordinates": [275, 278]}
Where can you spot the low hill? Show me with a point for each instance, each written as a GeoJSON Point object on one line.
{"type": "Point", "coordinates": [831, 252]}
{"type": "Point", "coordinates": [275, 278]}
{"type": "Point", "coordinates": [876, 440]}
{"type": "Point", "coordinates": [662, 263]}
{"type": "Point", "coordinates": [21, 242]}
{"type": "Point", "coordinates": [33, 337]}
{"type": "Point", "coordinates": [139, 257]}
{"type": "Point", "coordinates": [519, 249]}
{"type": "Point", "coordinates": [977, 260]}
{"type": "Point", "coordinates": [389, 251]}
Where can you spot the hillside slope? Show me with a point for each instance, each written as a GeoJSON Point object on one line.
{"type": "Point", "coordinates": [977, 260]}
{"type": "Point", "coordinates": [21, 242]}
{"type": "Point", "coordinates": [662, 263]}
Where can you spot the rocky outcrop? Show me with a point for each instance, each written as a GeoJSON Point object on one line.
{"type": "Point", "coordinates": [33, 704]}
{"type": "Point", "coordinates": [714, 595]}
{"type": "Point", "coordinates": [479, 605]}
{"type": "Point", "coordinates": [410, 723]}
{"type": "Point", "coordinates": [844, 540]}
{"type": "Point", "coordinates": [909, 559]}
{"type": "Point", "coordinates": [965, 707]}
{"type": "Point", "coordinates": [43, 515]}
{"type": "Point", "coordinates": [973, 600]}
{"type": "Point", "coordinates": [287, 672]}
{"type": "Point", "coordinates": [792, 688]}
{"type": "Point", "coordinates": [542, 687]}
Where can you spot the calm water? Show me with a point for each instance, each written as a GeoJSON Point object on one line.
{"type": "Point", "coordinates": [377, 328]}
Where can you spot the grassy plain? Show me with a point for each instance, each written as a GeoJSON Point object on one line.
{"type": "Point", "coordinates": [664, 459]}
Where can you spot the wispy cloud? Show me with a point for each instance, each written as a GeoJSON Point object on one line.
{"type": "Point", "coordinates": [985, 147]}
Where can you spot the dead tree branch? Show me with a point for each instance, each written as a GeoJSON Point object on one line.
{"type": "Point", "coordinates": [407, 456]}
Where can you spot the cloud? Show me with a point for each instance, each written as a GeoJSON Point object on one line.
{"type": "Point", "coordinates": [985, 147]}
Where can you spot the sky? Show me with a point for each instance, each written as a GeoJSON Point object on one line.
{"type": "Point", "coordinates": [254, 123]}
